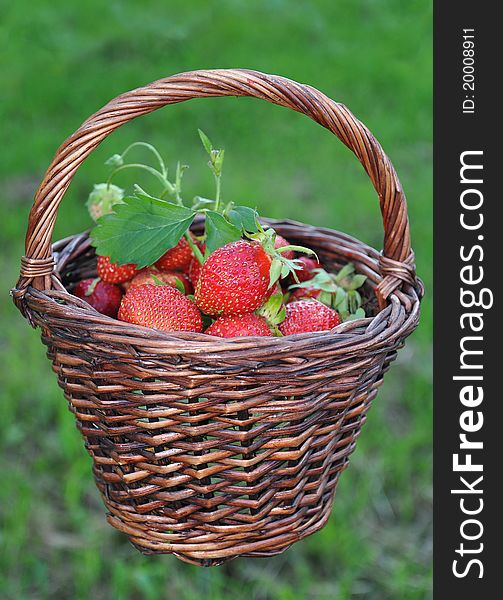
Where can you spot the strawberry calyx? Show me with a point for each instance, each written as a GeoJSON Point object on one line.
{"type": "Point", "coordinates": [274, 312]}
{"type": "Point", "coordinates": [338, 291]}
{"type": "Point", "coordinates": [281, 266]}
{"type": "Point", "coordinates": [178, 283]}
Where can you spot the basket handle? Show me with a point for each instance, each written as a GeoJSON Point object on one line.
{"type": "Point", "coordinates": [397, 258]}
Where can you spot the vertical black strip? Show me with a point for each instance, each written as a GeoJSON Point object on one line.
{"type": "Point", "coordinates": [467, 269]}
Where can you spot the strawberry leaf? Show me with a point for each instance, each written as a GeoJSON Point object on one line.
{"type": "Point", "coordinates": [219, 232]}
{"type": "Point", "coordinates": [244, 218]}
{"type": "Point", "coordinates": [208, 146]}
{"type": "Point", "coordinates": [140, 230]}
{"type": "Point", "coordinates": [358, 314]}
{"type": "Point", "coordinates": [357, 282]}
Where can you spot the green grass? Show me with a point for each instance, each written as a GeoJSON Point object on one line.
{"type": "Point", "coordinates": [61, 61]}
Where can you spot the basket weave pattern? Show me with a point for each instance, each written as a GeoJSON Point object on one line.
{"type": "Point", "coordinates": [211, 448]}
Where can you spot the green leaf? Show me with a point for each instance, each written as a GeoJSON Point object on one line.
{"type": "Point", "coordinates": [359, 314]}
{"type": "Point", "coordinates": [357, 282]}
{"type": "Point", "coordinates": [200, 202]}
{"type": "Point", "coordinates": [245, 218]}
{"type": "Point", "coordinates": [207, 321]}
{"type": "Point", "coordinates": [326, 298]}
{"type": "Point", "coordinates": [326, 287]}
{"type": "Point", "coordinates": [141, 230]}
{"type": "Point", "coordinates": [344, 272]}
{"type": "Point", "coordinates": [340, 300]}
{"type": "Point", "coordinates": [208, 146]}
{"type": "Point", "coordinates": [219, 232]}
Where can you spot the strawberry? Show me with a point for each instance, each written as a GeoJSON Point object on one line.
{"type": "Point", "coordinates": [308, 315]}
{"type": "Point", "coordinates": [177, 258]}
{"type": "Point", "coordinates": [303, 293]}
{"type": "Point", "coordinates": [234, 279]}
{"type": "Point", "coordinates": [147, 276]}
{"type": "Point", "coordinates": [160, 307]}
{"type": "Point", "coordinates": [308, 266]}
{"type": "Point", "coordinates": [280, 242]}
{"type": "Point", "coordinates": [102, 199]}
{"type": "Point", "coordinates": [194, 271]}
{"type": "Point", "coordinates": [104, 297]}
{"type": "Point", "coordinates": [239, 325]}
{"type": "Point", "coordinates": [112, 272]}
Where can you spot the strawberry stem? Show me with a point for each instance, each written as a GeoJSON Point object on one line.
{"type": "Point", "coordinates": [168, 186]}
{"type": "Point", "coordinates": [197, 253]}
{"type": "Point", "coordinates": [154, 151]}
{"type": "Point", "coordinates": [218, 191]}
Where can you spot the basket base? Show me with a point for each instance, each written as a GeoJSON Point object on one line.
{"type": "Point", "coordinates": [219, 552]}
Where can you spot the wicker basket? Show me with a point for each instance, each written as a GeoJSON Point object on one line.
{"type": "Point", "coordinates": [211, 448]}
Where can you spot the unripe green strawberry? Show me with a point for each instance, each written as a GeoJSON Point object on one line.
{"type": "Point", "coordinates": [234, 279]}
{"type": "Point", "coordinates": [308, 315]}
{"type": "Point", "coordinates": [112, 272]}
{"type": "Point", "coordinates": [104, 297]}
{"type": "Point", "coordinates": [160, 307]}
{"type": "Point", "coordinates": [239, 325]}
{"type": "Point", "coordinates": [102, 198]}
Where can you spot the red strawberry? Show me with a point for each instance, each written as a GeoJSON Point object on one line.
{"type": "Point", "coordinates": [112, 272]}
{"type": "Point", "coordinates": [280, 242]}
{"type": "Point", "coordinates": [234, 279]}
{"type": "Point", "coordinates": [177, 258]}
{"type": "Point", "coordinates": [160, 307]}
{"type": "Point", "coordinates": [104, 297]}
{"type": "Point", "coordinates": [194, 271]}
{"type": "Point", "coordinates": [147, 276]}
{"type": "Point", "coordinates": [239, 325]}
{"type": "Point", "coordinates": [308, 267]}
{"type": "Point", "coordinates": [300, 293]}
{"type": "Point", "coordinates": [308, 315]}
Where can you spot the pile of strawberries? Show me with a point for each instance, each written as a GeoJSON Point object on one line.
{"type": "Point", "coordinates": [231, 293]}
{"type": "Point", "coordinates": [236, 279]}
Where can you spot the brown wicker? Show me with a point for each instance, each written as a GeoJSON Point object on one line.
{"type": "Point", "coordinates": [214, 448]}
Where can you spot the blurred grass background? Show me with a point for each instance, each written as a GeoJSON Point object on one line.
{"type": "Point", "coordinates": [59, 62]}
